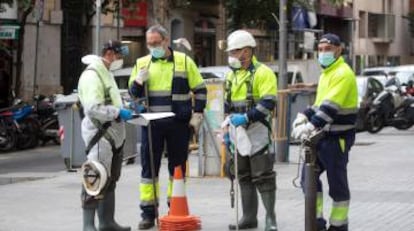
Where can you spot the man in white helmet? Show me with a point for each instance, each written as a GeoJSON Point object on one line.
{"type": "Point", "coordinates": [250, 98]}
{"type": "Point", "coordinates": [103, 131]}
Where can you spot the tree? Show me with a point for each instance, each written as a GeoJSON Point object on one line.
{"type": "Point", "coordinates": [25, 7]}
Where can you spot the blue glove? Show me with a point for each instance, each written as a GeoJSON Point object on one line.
{"type": "Point", "coordinates": [125, 114]}
{"type": "Point", "coordinates": [238, 119]}
{"type": "Point", "coordinates": [138, 108]}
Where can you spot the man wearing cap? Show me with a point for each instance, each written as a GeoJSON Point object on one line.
{"type": "Point", "coordinates": [103, 131]}
{"type": "Point", "coordinates": [334, 112]}
{"type": "Point", "coordinates": [166, 77]}
{"type": "Point", "coordinates": [251, 89]}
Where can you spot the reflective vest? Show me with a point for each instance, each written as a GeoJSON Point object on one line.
{"type": "Point", "coordinates": [170, 83]}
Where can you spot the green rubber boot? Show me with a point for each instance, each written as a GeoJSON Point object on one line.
{"type": "Point", "coordinates": [89, 219]}
{"type": "Point", "coordinates": [249, 207]}
{"type": "Point", "coordinates": [269, 198]}
{"type": "Point", "coordinates": [106, 210]}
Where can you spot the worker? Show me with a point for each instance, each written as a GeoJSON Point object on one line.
{"type": "Point", "coordinates": [334, 112]}
{"type": "Point", "coordinates": [103, 131]}
{"type": "Point", "coordinates": [168, 77]}
{"type": "Point", "coordinates": [250, 98]}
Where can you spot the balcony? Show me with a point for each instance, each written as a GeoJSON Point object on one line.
{"type": "Point", "coordinates": [381, 27]}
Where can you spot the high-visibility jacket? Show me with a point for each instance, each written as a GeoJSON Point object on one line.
{"type": "Point", "coordinates": [336, 104]}
{"type": "Point", "coordinates": [170, 83]}
{"type": "Point", "coordinates": [252, 91]}
{"type": "Point", "coordinates": [95, 84]}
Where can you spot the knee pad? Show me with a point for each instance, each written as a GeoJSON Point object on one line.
{"type": "Point", "coordinates": [94, 177]}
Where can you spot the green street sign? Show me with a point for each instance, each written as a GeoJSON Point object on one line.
{"type": "Point", "coordinates": [9, 32]}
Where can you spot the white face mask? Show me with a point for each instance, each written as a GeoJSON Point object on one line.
{"type": "Point", "coordinates": [117, 64]}
{"type": "Point", "coordinates": [234, 62]}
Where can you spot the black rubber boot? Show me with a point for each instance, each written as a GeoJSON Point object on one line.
{"type": "Point", "coordinates": [249, 207]}
{"type": "Point", "coordinates": [89, 219]}
{"type": "Point", "coordinates": [146, 224]}
{"type": "Point", "coordinates": [269, 199]}
{"type": "Point", "coordinates": [106, 210]}
{"type": "Point", "coordinates": [338, 228]}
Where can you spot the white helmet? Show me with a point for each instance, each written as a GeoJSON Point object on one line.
{"type": "Point", "coordinates": [239, 39]}
{"type": "Point", "coordinates": [94, 177]}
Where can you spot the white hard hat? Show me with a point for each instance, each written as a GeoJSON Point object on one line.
{"type": "Point", "coordinates": [94, 177]}
{"type": "Point", "coordinates": [240, 39]}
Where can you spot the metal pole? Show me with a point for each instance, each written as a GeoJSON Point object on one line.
{"type": "Point", "coordinates": [98, 26]}
{"type": "Point", "coordinates": [282, 141]}
{"type": "Point", "coordinates": [310, 191]}
{"type": "Point", "coordinates": [118, 23]}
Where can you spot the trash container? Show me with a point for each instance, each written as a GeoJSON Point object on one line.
{"type": "Point", "coordinates": [72, 146]}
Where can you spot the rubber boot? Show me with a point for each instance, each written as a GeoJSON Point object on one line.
{"type": "Point", "coordinates": [268, 198]}
{"type": "Point", "coordinates": [146, 224]}
{"type": "Point", "coordinates": [249, 207]}
{"type": "Point", "coordinates": [89, 219]}
{"type": "Point", "coordinates": [106, 210]}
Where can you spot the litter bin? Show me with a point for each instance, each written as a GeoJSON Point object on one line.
{"type": "Point", "coordinates": [72, 146]}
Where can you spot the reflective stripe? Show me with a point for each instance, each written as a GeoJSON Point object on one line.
{"type": "Point", "coordinates": [159, 93]}
{"type": "Point", "coordinates": [180, 74]}
{"type": "Point", "coordinates": [262, 109]}
{"type": "Point", "coordinates": [169, 188]}
{"type": "Point", "coordinates": [324, 116]}
{"type": "Point", "coordinates": [338, 128]}
{"type": "Point", "coordinates": [319, 205]}
{"type": "Point", "coordinates": [201, 96]}
{"type": "Point", "coordinates": [147, 193]}
{"type": "Point", "coordinates": [166, 108]}
{"type": "Point", "coordinates": [348, 111]}
{"type": "Point", "coordinates": [148, 180]}
{"type": "Point", "coordinates": [239, 103]}
{"type": "Point", "coordinates": [181, 97]}
{"type": "Point", "coordinates": [178, 189]}
{"type": "Point", "coordinates": [339, 213]}
{"type": "Point", "coordinates": [269, 97]}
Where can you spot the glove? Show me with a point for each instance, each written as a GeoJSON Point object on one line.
{"type": "Point", "coordinates": [137, 107]}
{"type": "Point", "coordinates": [238, 119]}
{"type": "Point", "coordinates": [300, 119]}
{"type": "Point", "coordinates": [195, 121]}
{"type": "Point", "coordinates": [303, 131]}
{"type": "Point", "coordinates": [142, 76]}
{"type": "Point", "coordinates": [125, 114]}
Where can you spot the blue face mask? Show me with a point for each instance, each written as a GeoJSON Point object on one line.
{"type": "Point", "coordinates": [157, 52]}
{"type": "Point", "coordinates": [326, 58]}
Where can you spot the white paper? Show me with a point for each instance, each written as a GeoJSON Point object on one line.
{"type": "Point", "coordinates": [144, 118]}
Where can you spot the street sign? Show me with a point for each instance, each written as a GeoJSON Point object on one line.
{"type": "Point", "coordinates": [9, 32]}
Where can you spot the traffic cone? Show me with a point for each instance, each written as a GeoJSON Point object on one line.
{"type": "Point", "coordinates": [178, 218]}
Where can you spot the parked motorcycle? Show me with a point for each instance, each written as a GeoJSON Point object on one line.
{"type": "Point", "coordinates": [48, 119]}
{"type": "Point", "coordinates": [390, 108]}
{"type": "Point", "coordinates": [18, 128]}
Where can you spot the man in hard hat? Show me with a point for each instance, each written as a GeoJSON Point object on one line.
{"type": "Point", "coordinates": [168, 77]}
{"type": "Point", "coordinates": [103, 132]}
{"type": "Point", "coordinates": [251, 89]}
{"type": "Point", "coordinates": [334, 112]}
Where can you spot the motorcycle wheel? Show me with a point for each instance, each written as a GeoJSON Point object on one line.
{"type": "Point", "coordinates": [28, 138]}
{"type": "Point", "coordinates": [10, 138]}
{"type": "Point", "coordinates": [375, 122]}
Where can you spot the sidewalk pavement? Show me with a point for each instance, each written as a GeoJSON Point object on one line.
{"type": "Point", "coordinates": [380, 175]}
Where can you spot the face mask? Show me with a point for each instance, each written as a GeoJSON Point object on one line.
{"type": "Point", "coordinates": [234, 62]}
{"type": "Point", "coordinates": [326, 58]}
{"type": "Point", "coordinates": [157, 52]}
{"type": "Point", "coordinates": [117, 64]}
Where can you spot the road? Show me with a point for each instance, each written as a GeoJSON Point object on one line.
{"type": "Point", "coordinates": [25, 164]}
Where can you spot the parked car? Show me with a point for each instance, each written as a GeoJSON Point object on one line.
{"type": "Point", "coordinates": [368, 89]}
{"type": "Point", "coordinates": [375, 71]}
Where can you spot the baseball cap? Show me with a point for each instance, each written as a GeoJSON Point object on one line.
{"type": "Point", "coordinates": [330, 39]}
{"type": "Point", "coordinates": [116, 46]}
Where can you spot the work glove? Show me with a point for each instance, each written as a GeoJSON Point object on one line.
{"type": "Point", "coordinates": [303, 131]}
{"type": "Point", "coordinates": [195, 121]}
{"type": "Point", "coordinates": [142, 76]}
{"type": "Point", "coordinates": [238, 119]}
{"type": "Point", "coordinates": [300, 119]}
{"type": "Point", "coordinates": [137, 107]}
{"type": "Point", "coordinates": [125, 114]}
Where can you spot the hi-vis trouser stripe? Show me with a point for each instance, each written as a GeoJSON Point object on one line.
{"type": "Point", "coordinates": [319, 205]}
{"type": "Point", "coordinates": [339, 213]}
{"type": "Point", "coordinates": [169, 189]}
{"type": "Point", "coordinates": [146, 190]}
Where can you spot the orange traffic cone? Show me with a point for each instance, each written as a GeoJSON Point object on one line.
{"type": "Point", "coordinates": [178, 218]}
